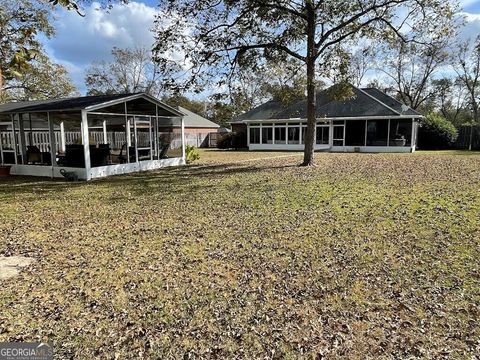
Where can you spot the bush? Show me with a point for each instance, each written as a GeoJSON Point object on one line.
{"type": "Point", "coordinates": [232, 140]}
{"type": "Point", "coordinates": [191, 153]}
{"type": "Point", "coordinates": [225, 141]}
{"type": "Point", "coordinates": [436, 133]}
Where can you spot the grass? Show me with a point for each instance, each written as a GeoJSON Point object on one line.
{"type": "Point", "coordinates": [363, 256]}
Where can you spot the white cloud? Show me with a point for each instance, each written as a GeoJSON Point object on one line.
{"type": "Point", "coordinates": [81, 40]}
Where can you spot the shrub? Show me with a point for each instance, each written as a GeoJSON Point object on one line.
{"type": "Point", "coordinates": [436, 133]}
{"type": "Point", "coordinates": [225, 141]}
{"type": "Point", "coordinates": [191, 153]}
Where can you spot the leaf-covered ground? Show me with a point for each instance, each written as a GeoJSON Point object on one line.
{"type": "Point", "coordinates": [363, 256]}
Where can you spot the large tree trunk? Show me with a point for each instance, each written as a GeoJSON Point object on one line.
{"type": "Point", "coordinates": [308, 155]}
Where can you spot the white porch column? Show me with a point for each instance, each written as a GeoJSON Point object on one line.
{"type": "Point", "coordinates": [86, 144]}
{"type": "Point", "coordinates": [330, 134]}
{"type": "Point", "coordinates": [412, 139]}
{"type": "Point", "coordinates": [388, 133]}
{"type": "Point", "coordinates": [14, 140]}
{"type": "Point", "coordinates": [22, 139]}
{"type": "Point", "coordinates": [62, 136]}
{"type": "Point", "coordinates": [105, 138]}
{"type": "Point", "coordinates": [183, 139]}
{"type": "Point", "coordinates": [53, 143]}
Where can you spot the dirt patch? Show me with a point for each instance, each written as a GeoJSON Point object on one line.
{"type": "Point", "coordinates": [10, 266]}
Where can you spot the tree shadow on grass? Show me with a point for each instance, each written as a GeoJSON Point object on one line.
{"type": "Point", "coordinates": [173, 178]}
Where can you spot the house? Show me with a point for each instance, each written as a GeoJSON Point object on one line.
{"type": "Point", "coordinates": [370, 121]}
{"type": "Point", "coordinates": [91, 136]}
{"type": "Point", "coordinates": [198, 129]}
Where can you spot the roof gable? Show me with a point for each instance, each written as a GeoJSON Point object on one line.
{"type": "Point", "coordinates": [193, 120]}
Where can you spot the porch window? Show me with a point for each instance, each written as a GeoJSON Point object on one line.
{"type": "Point", "coordinates": [400, 132]}
{"type": "Point", "coordinates": [377, 132]}
{"type": "Point", "coordinates": [254, 135]}
{"type": "Point", "coordinates": [280, 133]}
{"type": "Point", "coordinates": [322, 135]}
{"type": "Point", "coordinates": [304, 132]}
{"type": "Point", "coordinates": [294, 134]}
{"type": "Point", "coordinates": [267, 135]}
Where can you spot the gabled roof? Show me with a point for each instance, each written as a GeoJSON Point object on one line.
{"type": "Point", "coordinates": [390, 101]}
{"type": "Point", "coordinates": [365, 103]}
{"type": "Point", "coordinates": [79, 103]}
{"type": "Point", "coordinates": [193, 120]}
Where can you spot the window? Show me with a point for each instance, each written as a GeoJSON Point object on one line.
{"type": "Point", "coordinates": [254, 135]}
{"type": "Point", "coordinates": [400, 132]}
{"type": "Point", "coordinates": [304, 131]}
{"type": "Point", "coordinates": [355, 133]}
{"type": "Point", "coordinates": [267, 135]}
{"type": "Point", "coordinates": [294, 134]}
{"type": "Point", "coordinates": [377, 132]}
{"type": "Point", "coordinates": [280, 134]}
{"type": "Point", "coordinates": [322, 135]}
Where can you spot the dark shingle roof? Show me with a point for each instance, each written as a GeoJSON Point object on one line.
{"type": "Point", "coordinates": [390, 101]}
{"type": "Point", "coordinates": [365, 103]}
{"type": "Point", "coordinates": [76, 103]}
{"type": "Point", "coordinates": [264, 111]}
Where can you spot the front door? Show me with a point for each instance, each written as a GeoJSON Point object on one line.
{"type": "Point", "coordinates": [338, 135]}
{"type": "Point", "coordinates": [142, 140]}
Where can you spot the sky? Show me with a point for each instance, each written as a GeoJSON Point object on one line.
{"type": "Point", "coordinates": [81, 40]}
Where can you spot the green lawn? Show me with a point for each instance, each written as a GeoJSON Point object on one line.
{"type": "Point", "coordinates": [363, 256]}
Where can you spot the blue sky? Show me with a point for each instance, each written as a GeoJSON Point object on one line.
{"type": "Point", "coordinates": [81, 40]}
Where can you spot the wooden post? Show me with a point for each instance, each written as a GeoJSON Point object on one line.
{"type": "Point", "coordinates": [86, 144]}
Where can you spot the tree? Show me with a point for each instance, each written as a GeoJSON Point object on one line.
{"type": "Point", "coordinates": [467, 67]}
{"type": "Point", "coordinates": [451, 99]}
{"type": "Point", "coordinates": [21, 22]}
{"type": "Point", "coordinates": [218, 37]}
{"type": "Point", "coordinates": [41, 80]}
{"type": "Point", "coordinates": [198, 107]}
{"type": "Point", "coordinates": [411, 67]}
{"type": "Point", "coordinates": [130, 71]}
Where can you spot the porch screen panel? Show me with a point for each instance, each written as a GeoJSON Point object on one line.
{"type": "Point", "coordinates": [254, 135]}
{"type": "Point", "coordinates": [267, 135]}
{"type": "Point", "coordinates": [400, 132]}
{"type": "Point", "coordinates": [355, 133]}
{"type": "Point", "coordinates": [322, 135]}
{"type": "Point", "coordinates": [377, 132]}
{"type": "Point", "coordinates": [294, 134]}
{"type": "Point", "coordinates": [280, 133]}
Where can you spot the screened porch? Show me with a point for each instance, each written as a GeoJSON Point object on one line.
{"type": "Point", "coordinates": [91, 136]}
